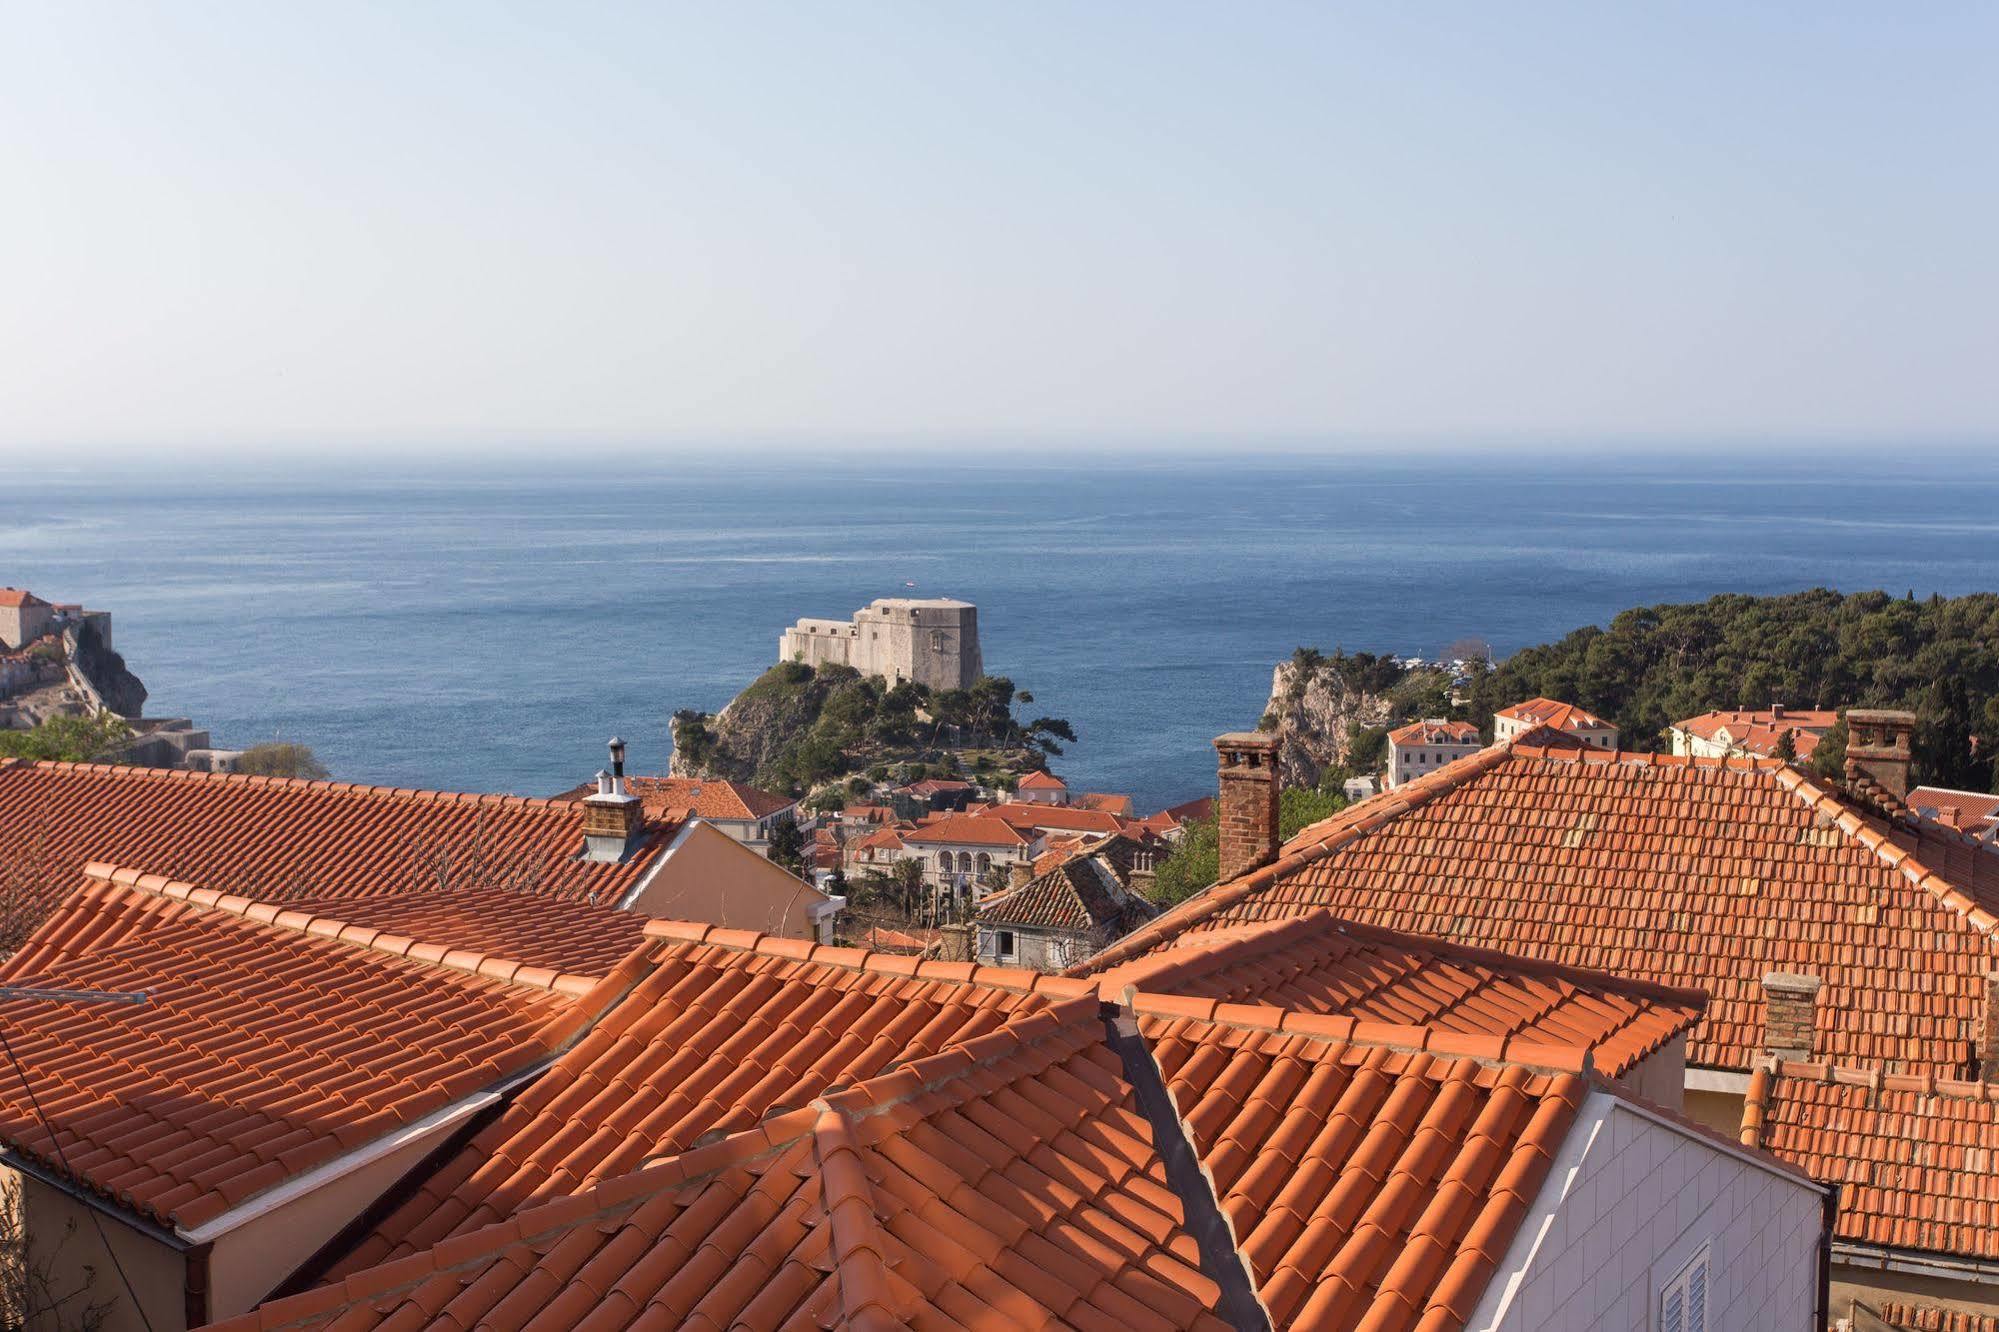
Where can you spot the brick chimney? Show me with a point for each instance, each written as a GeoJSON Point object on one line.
{"type": "Point", "coordinates": [1790, 1002]}
{"type": "Point", "coordinates": [1246, 811]}
{"type": "Point", "coordinates": [1877, 747]}
{"type": "Point", "coordinates": [1019, 873]}
{"type": "Point", "coordinates": [613, 818]}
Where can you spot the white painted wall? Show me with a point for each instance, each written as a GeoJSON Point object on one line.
{"type": "Point", "coordinates": [1630, 1199]}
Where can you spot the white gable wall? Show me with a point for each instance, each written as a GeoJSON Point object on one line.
{"type": "Point", "coordinates": [1631, 1198]}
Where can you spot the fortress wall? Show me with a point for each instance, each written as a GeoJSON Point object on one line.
{"type": "Point", "coordinates": [935, 643]}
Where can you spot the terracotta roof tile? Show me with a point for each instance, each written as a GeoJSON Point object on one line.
{"type": "Point", "coordinates": [1554, 714]}
{"type": "Point", "coordinates": [1366, 1185]}
{"type": "Point", "coordinates": [286, 838]}
{"type": "Point", "coordinates": [1056, 818]}
{"type": "Point", "coordinates": [1434, 732]}
{"type": "Point", "coordinates": [1321, 964]}
{"type": "Point", "coordinates": [722, 1028]}
{"type": "Point", "coordinates": [1913, 1156]}
{"type": "Point", "coordinates": [1907, 1317]}
{"type": "Point", "coordinates": [1699, 873]}
{"type": "Point", "coordinates": [704, 797]}
{"type": "Point", "coordinates": [1011, 1181]}
{"type": "Point", "coordinates": [568, 935]}
{"type": "Point", "coordinates": [1042, 781]}
{"type": "Point", "coordinates": [967, 830]}
{"type": "Point", "coordinates": [266, 1048]}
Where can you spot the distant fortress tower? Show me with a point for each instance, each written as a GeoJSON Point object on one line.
{"type": "Point", "coordinates": [933, 642]}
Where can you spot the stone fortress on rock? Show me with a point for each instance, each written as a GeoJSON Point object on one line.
{"type": "Point", "coordinates": [932, 642]}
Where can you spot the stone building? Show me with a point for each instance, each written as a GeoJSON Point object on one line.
{"type": "Point", "coordinates": [1427, 745]}
{"type": "Point", "coordinates": [932, 642]}
{"type": "Point", "coordinates": [24, 617]}
{"type": "Point", "coordinates": [1056, 919]}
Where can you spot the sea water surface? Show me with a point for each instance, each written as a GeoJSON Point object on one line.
{"type": "Point", "coordinates": [486, 629]}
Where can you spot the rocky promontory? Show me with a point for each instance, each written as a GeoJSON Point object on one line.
{"type": "Point", "coordinates": [1321, 706]}
{"type": "Point", "coordinates": [797, 727]}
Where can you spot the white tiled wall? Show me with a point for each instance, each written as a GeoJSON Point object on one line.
{"type": "Point", "coordinates": [1643, 1198]}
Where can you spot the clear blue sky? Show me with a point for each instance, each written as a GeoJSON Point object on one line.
{"type": "Point", "coordinates": [423, 225]}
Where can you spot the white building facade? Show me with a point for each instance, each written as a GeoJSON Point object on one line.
{"type": "Point", "coordinates": [1644, 1222]}
{"type": "Point", "coordinates": [1425, 746]}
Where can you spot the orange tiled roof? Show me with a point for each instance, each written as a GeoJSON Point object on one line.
{"type": "Point", "coordinates": [271, 1043]}
{"type": "Point", "coordinates": [885, 838]}
{"type": "Point", "coordinates": [1192, 811]}
{"type": "Point", "coordinates": [1554, 714]}
{"type": "Point", "coordinates": [1321, 964]}
{"type": "Point", "coordinates": [1970, 808]}
{"type": "Point", "coordinates": [1042, 781]}
{"type": "Point", "coordinates": [1914, 1156]}
{"type": "Point", "coordinates": [282, 837]}
{"type": "Point", "coordinates": [15, 597]}
{"type": "Point", "coordinates": [967, 830]}
{"type": "Point", "coordinates": [1058, 848]}
{"type": "Point", "coordinates": [1005, 1160]}
{"type": "Point", "coordinates": [1435, 732]}
{"type": "Point", "coordinates": [582, 938]}
{"type": "Point", "coordinates": [1066, 818]}
{"type": "Point", "coordinates": [930, 786]}
{"type": "Point", "coordinates": [1366, 1185]}
{"type": "Point", "coordinates": [1906, 1317]}
{"type": "Point", "coordinates": [724, 1026]}
{"type": "Point", "coordinates": [1743, 719]}
{"type": "Point", "coordinates": [704, 797]}
{"type": "Point", "coordinates": [1704, 873]}
{"type": "Point", "coordinates": [1011, 1178]}
{"type": "Point", "coordinates": [1106, 801]}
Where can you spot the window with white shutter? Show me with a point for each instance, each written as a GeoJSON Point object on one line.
{"type": "Point", "coordinates": [1683, 1300]}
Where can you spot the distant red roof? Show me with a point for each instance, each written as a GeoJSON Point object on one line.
{"type": "Point", "coordinates": [1106, 801]}
{"type": "Point", "coordinates": [1759, 731]}
{"type": "Point", "coordinates": [1027, 814]}
{"type": "Point", "coordinates": [1556, 714]}
{"type": "Point", "coordinates": [14, 598]}
{"type": "Point", "coordinates": [968, 830]}
{"type": "Point", "coordinates": [930, 786]}
{"type": "Point", "coordinates": [1042, 781]}
{"type": "Point", "coordinates": [706, 797]}
{"type": "Point", "coordinates": [1962, 809]}
{"type": "Point", "coordinates": [1435, 732]}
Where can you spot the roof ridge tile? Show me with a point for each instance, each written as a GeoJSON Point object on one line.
{"type": "Point", "coordinates": [279, 917]}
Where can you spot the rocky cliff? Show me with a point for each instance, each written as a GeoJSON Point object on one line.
{"type": "Point", "coordinates": [105, 672]}
{"type": "Point", "coordinates": [1317, 703]}
{"type": "Point", "coordinates": [759, 728]}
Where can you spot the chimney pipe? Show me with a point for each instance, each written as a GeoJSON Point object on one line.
{"type": "Point", "coordinates": [1019, 873]}
{"type": "Point", "coordinates": [1246, 808]}
{"type": "Point", "coordinates": [1877, 747]}
{"type": "Point", "coordinates": [613, 818]}
{"type": "Point", "coordinates": [1790, 1005]}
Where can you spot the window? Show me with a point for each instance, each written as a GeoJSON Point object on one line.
{"type": "Point", "coordinates": [1006, 943]}
{"type": "Point", "coordinates": [1683, 1302]}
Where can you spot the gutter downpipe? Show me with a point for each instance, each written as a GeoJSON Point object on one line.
{"type": "Point", "coordinates": [1828, 1217]}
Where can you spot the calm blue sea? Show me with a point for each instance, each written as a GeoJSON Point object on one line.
{"type": "Point", "coordinates": [485, 630]}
